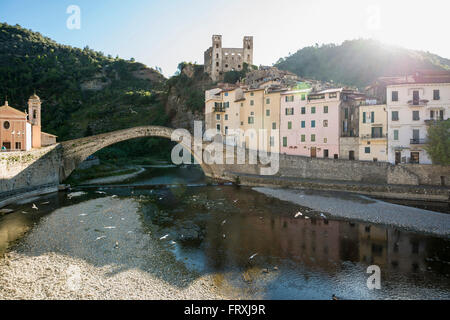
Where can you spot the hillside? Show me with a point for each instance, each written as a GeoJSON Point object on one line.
{"type": "Point", "coordinates": [358, 62]}
{"type": "Point", "coordinates": [83, 91]}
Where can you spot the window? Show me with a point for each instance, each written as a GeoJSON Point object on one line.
{"type": "Point", "coordinates": [416, 115]}
{"type": "Point", "coordinates": [416, 97]}
{"type": "Point", "coordinates": [313, 138]}
{"type": "Point", "coordinates": [325, 153]}
{"type": "Point", "coordinates": [6, 125]}
{"type": "Point", "coordinates": [284, 141]}
{"type": "Point", "coordinates": [289, 98]}
{"type": "Point", "coordinates": [325, 140]}
{"type": "Point", "coordinates": [274, 125]}
{"type": "Point", "coordinates": [377, 132]}
{"type": "Point", "coordinates": [34, 114]}
{"type": "Point", "coordinates": [268, 112]}
{"type": "Point", "coordinates": [313, 123]}
{"type": "Point", "coordinates": [226, 104]}
{"type": "Point", "coordinates": [394, 96]}
{"type": "Point", "coordinates": [252, 103]}
{"type": "Point", "coordinates": [289, 125]}
{"type": "Point", "coordinates": [289, 111]}
{"type": "Point", "coordinates": [226, 94]}
{"type": "Point", "coordinates": [414, 157]}
{"type": "Point", "coordinates": [303, 110]}
{"type": "Point", "coordinates": [313, 110]}
{"type": "Point", "coordinates": [364, 117]}
{"type": "Point", "coordinates": [272, 141]}
{"type": "Point", "coordinates": [325, 109]}
{"type": "Point", "coordinates": [394, 115]}
{"type": "Point", "coordinates": [303, 97]}
{"type": "Point", "coordinates": [367, 149]}
{"type": "Point", "coordinates": [18, 145]}
{"type": "Point", "coordinates": [226, 130]}
{"type": "Point", "coordinates": [217, 116]}
{"type": "Point", "coordinates": [242, 104]}
{"type": "Point", "coordinates": [217, 64]}
{"type": "Point", "coordinates": [345, 113]}
{"type": "Point", "coordinates": [303, 124]}
{"type": "Point", "coordinates": [267, 101]}
{"type": "Point", "coordinates": [372, 117]}
{"type": "Point", "coordinates": [303, 138]}
{"type": "Point", "coordinates": [251, 120]}
{"type": "Point", "coordinates": [252, 94]}
{"type": "Point", "coordinates": [333, 95]}
{"type": "Point", "coordinates": [396, 135]}
{"type": "Point", "coordinates": [325, 123]}
{"type": "Point", "coordinates": [226, 117]}
{"type": "Point", "coordinates": [436, 95]}
{"type": "Point", "coordinates": [218, 127]}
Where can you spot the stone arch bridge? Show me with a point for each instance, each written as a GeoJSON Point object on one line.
{"type": "Point", "coordinates": [74, 152]}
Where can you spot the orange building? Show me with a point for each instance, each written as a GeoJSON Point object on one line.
{"type": "Point", "coordinates": [20, 131]}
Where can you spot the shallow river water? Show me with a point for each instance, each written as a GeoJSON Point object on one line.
{"type": "Point", "coordinates": [255, 247]}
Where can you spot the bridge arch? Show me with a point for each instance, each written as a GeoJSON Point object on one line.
{"type": "Point", "coordinates": [74, 152]}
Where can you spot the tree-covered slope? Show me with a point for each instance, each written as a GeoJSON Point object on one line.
{"type": "Point", "coordinates": [83, 91]}
{"type": "Point", "coordinates": [358, 62]}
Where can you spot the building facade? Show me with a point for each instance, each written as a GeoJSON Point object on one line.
{"type": "Point", "coordinates": [373, 132]}
{"type": "Point", "coordinates": [20, 131]}
{"type": "Point", "coordinates": [411, 108]}
{"type": "Point", "coordinates": [292, 121]}
{"type": "Point", "coordinates": [218, 60]}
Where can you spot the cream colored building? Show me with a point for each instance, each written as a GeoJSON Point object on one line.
{"type": "Point", "coordinates": [373, 133]}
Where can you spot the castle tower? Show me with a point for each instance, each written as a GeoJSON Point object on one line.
{"type": "Point", "coordinates": [216, 66]}
{"type": "Point", "coordinates": [34, 116]}
{"type": "Point", "coordinates": [248, 50]}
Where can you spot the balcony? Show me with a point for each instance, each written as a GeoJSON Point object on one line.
{"type": "Point", "coordinates": [417, 102]}
{"type": "Point", "coordinates": [418, 141]}
{"type": "Point", "coordinates": [373, 137]}
{"type": "Point", "coordinates": [219, 109]}
{"type": "Point", "coordinates": [430, 122]}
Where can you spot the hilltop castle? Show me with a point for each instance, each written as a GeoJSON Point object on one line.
{"type": "Point", "coordinates": [219, 60]}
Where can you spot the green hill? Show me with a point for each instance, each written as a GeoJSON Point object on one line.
{"type": "Point", "coordinates": [358, 62]}
{"type": "Point", "coordinates": [83, 91]}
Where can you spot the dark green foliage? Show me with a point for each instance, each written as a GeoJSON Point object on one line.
{"type": "Point", "coordinates": [31, 63]}
{"type": "Point", "coordinates": [438, 145]}
{"type": "Point", "coordinates": [358, 62]}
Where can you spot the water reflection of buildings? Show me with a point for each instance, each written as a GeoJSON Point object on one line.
{"type": "Point", "coordinates": [267, 226]}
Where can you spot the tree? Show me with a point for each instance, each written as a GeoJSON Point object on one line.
{"type": "Point", "coordinates": [438, 144]}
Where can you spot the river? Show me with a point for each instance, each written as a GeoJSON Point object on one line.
{"type": "Point", "coordinates": [244, 243]}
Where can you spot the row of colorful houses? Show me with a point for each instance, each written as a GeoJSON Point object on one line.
{"type": "Point", "coordinates": [386, 123]}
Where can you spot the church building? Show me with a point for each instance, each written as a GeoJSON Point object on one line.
{"type": "Point", "coordinates": [20, 131]}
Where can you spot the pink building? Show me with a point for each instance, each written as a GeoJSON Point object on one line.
{"type": "Point", "coordinates": [292, 103]}
{"type": "Point", "coordinates": [311, 127]}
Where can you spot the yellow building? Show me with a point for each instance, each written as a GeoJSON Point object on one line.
{"type": "Point", "coordinates": [271, 122]}
{"type": "Point", "coordinates": [373, 133]}
{"type": "Point", "coordinates": [251, 118]}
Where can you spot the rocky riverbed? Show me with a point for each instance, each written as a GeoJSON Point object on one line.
{"type": "Point", "coordinates": [98, 249]}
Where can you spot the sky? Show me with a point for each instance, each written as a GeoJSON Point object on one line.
{"type": "Point", "coordinates": [165, 33]}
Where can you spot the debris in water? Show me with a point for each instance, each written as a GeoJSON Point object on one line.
{"type": "Point", "coordinates": [165, 237]}
{"type": "Point", "coordinates": [110, 227]}
{"type": "Point", "coordinates": [306, 217]}
{"type": "Point", "coordinates": [75, 194]}
{"type": "Point", "coordinates": [224, 221]}
{"type": "Point", "coordinates": [100, 192]}
{"type": "Point", "coordinates": [298, 214]}
{"type": "Point", "coordinates": [224, 236]}
{"type": "Point", "coordinates": [254, 255]}
{"type": "Point", "coordinates": [99, 238]}
{"type": "Point", "coordinates": [323, 216]}
{"type": "Point", "coordinates": [34, 207]}
{"type": "Point", "coordinates": [83, 215]}
{"type": "Point", "coordinates": [275, 268]}
{"type": "Point", "coordinates": [114, 196]}
{"type": "Point", "coordinates": [265, 270]}
{"type": "Point", "coordinates": [44, 203]}
{"type": "Point", "coordinates": [116, 246]}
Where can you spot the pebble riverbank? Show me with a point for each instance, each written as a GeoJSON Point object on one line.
{"type": "Point", "coordinates": [362, 208]}
{"type": "Point", "coordinates": [98, 249]}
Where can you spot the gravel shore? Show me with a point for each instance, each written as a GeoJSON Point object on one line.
{"type": "Point", "coordinates": [362, 208]}
{"type": "Point", "coordinates": [98, 250]}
